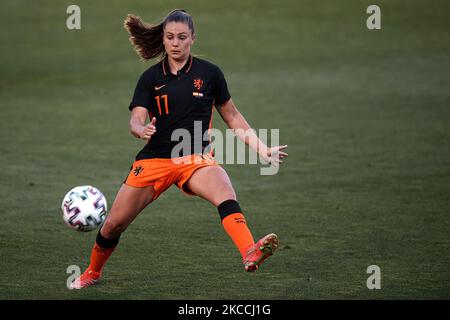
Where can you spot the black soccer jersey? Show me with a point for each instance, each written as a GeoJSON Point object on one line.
{"type": "Point", "coordinates": [182, 105]}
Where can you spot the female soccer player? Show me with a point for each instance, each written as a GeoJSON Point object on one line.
{"type": "Point", "coordinates": [179, 93]}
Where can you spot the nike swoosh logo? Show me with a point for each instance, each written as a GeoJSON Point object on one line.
{"type": "Point", "coordinates": [157, 88]}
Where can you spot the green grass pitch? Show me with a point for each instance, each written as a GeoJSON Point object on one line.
{"type": "Point", "coordinates": [366, 115]}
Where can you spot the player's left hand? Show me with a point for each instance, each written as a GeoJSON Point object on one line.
{"type": "Point", "coordinates": [275, 156]}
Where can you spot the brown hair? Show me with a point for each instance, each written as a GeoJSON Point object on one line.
{"type": "Point", "coordinates": [147, 39]}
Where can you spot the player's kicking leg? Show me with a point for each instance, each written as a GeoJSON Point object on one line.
{"type": "Point", "coordinates": [212, 183]}
{"type": "Point", "coordinates": [260, 251]}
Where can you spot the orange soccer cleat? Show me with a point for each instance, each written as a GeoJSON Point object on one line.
{"type": "Point", "coordinates": [260, 251]}
{"type": "Point", "coordinates": [88, 278]}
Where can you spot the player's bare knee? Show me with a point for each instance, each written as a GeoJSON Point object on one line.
{"type": "Point", "coordinates": [113, 228]}
{"type": "Point", "coordinates": [224, 195]}
{"type": "Point", "coordinates": [229, 195]}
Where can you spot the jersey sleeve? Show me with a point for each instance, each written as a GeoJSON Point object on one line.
{"type": "Point", "coordinates": [221, 93]}
{"type": "Point", "coordinates": [143, 94]}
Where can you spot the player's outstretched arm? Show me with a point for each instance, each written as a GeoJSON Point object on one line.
{"type": "Point", "coordinates": [236, 121]}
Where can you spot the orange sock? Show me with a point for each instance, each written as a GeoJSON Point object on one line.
{"type": "Point", "coordinates": [236, 227]}
{"type": "Point", "coordinates": [99, 256]}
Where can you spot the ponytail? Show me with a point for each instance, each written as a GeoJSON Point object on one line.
{"type": "Point", "coordinates": [147, 39]}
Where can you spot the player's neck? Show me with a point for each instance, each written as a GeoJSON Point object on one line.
{"type": "Point", "coordinates": [176, 65]}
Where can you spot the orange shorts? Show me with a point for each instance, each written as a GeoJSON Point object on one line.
{"type": "Point", "coordinates": [163, 173]}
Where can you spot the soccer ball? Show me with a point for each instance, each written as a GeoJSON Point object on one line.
{"type": "Point", "coordinates": [84, 208]}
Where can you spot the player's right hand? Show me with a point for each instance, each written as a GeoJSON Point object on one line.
{"type": "Point", "coordinates": [149, 130]}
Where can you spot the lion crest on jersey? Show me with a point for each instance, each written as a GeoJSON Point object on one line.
{"type": "Point", "coordinates": [198, 83]}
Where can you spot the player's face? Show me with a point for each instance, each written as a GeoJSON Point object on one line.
{"type": "Point", "coordinates": [177, 40]}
